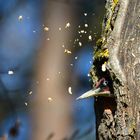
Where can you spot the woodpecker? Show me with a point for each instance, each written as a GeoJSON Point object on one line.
{"type": "Point", "coordinates": [101, 89]}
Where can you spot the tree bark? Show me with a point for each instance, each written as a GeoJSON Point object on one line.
{"type": "Point", "coordinates": [119, 50]}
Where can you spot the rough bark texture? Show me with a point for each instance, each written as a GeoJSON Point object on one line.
{"type": "Point", "coordinates": [119, 50]}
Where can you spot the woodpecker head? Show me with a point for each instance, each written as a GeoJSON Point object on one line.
{"type": "Point", "coordinates": [101, 89]}
{"type": "Point", "coordinates": [102, 84]}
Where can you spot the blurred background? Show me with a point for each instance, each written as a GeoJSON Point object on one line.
{"type": "Point", "coordinates": [46, 50]}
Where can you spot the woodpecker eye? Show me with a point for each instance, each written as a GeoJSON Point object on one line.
{"type": "Point", "coordinates": [105, 83]}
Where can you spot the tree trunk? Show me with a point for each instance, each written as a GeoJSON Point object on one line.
{"type": "Point", "coordinates": [118, 50]}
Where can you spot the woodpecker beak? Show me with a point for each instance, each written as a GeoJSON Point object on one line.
{"type": "Point", "coordinates": [96, 92]}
